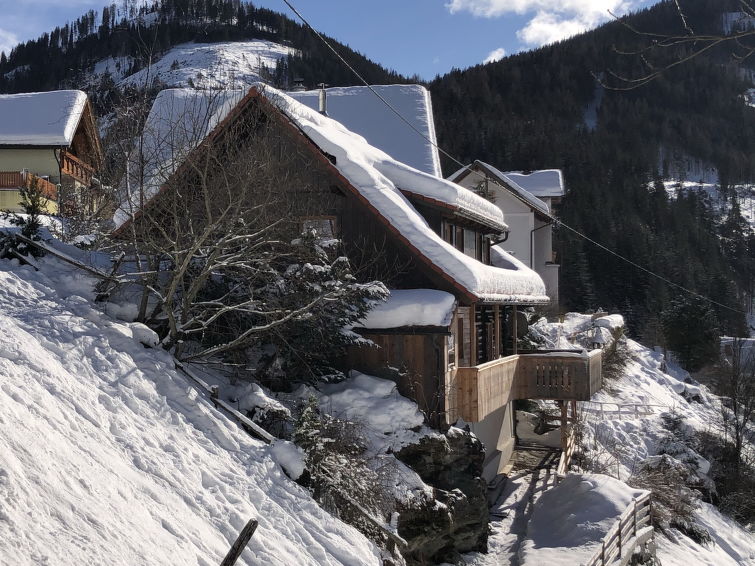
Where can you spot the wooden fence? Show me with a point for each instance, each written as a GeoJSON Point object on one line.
{"type": "Point", "coordinates": [621, 410]}
{"type": "Point", "coordinates": [634, 527]}
{"type": "Point", "coordinates": [18, 179]}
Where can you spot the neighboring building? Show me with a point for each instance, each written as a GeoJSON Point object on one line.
{"type": "Point", "coordinates": [448, 334]}
{"type": "Point", "coordinates": [527, 200]}
{"type": "Point", "coordinates": [49, 138]}
{"type": "Point", "coordinates": [363, 113]}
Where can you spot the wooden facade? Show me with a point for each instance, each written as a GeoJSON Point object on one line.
{"type": "Point", "coordinates": [470, 369]}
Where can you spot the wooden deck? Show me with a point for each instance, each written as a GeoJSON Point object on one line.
{"type": "Point", "coordinates": [477, 391]}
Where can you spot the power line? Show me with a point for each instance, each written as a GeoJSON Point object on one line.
{"type": "Point", "coordinates": [495, 181]}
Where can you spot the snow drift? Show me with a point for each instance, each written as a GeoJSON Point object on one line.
{"type": "Point", "coordinates": [108, 456]}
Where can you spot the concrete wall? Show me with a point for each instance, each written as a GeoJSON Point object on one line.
{"type": "Point", "coordinates": [40, 161]}
{"type": "Point", "coordinates": [496, 432]}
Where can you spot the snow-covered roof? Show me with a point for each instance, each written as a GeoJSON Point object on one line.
{"type": "Point", "coordinates": [41, 118]}
{"type": "Point", "coordinates": [545, 183]}
{"type": "Point", "coordinates": [180, 119]}
{"type": "Point", "coordinates": [357, 108]}
{"type": "Point", "coordinates": [506, 182]}
{"type": "Point", "coordinates": [411, 307]}
{"type": "Point", "coordinates": [378, 178]}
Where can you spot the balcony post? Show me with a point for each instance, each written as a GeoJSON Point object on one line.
{"type": "Point", "coordinates": [564, 424]}
{"type": "Point", "coordinates": [496, 353]}
{"type": "Point", "coordinates": [472, 335]}
{"type": "Point", "coordinates": [514, 330]}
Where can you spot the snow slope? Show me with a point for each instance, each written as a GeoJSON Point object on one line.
{"type": "Point", "coordinates": [207, 65]}
{"type": "Point", "coordinates": [108, 456]}
{"type": "Point", "coordinates": [619, 440]}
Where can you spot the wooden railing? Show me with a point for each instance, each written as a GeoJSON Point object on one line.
{"type": "Point", "coordinates": [19, 179]}
{"type": "Point", "coordinates": [477, 391]}
{"type": "Point", "coordinates": [73, 166]}
{"type": "Point", "coordinates": [482, 389]}
{"type": "Point", "coordinates": [633, 527]}
{"type": "Point", "coordinates": [620, 411]}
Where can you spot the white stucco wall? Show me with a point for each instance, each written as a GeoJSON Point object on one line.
{"type": "Point", "coordinates": [40, 161]}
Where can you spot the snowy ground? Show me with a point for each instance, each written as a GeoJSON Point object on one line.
{"type": "Point", "coordinates": [108, 456]}
{"type": "Point", "coordinates": [623, 439]}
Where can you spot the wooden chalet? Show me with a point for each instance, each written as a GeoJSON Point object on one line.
{"type": "Point", "coordinates": [49, 139]}
{"type": "Point", "coordinates": [448, 336]}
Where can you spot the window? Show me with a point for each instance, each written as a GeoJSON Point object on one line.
{"type": "Point", "coordinates": [324, 226]}
{"type": "Point", "coordinates": [470, 243]}
{"type": "Point", "coordinates": [449, 232]}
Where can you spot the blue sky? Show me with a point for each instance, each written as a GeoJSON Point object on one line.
{"type": "Point", "coordinates": [424, 37]}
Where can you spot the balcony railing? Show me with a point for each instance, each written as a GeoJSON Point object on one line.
{"type": "Point", "coordinates": [477, 391]}
{"type": "Point", "coordinates": [73, 167]}
{"type": "Point", "coordinates": [16, 180]}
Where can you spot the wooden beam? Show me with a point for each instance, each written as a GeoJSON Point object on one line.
{"type": "Point", "coordinates": [241, 542]}
{"type": "Point", "coordinates": [514, 330]}
{"type": "Point", "coordinates": [497, 326]}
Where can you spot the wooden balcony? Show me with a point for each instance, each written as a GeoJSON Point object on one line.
{"type": "Point", "coordinates": [477, 391]}
{"type": "Point", "coordinates": [14, 180]}
{"type": "Point", "coordinates": [74, 167]}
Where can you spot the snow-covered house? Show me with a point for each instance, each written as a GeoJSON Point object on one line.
{"type": "Point", "coordinates": [527, 200]}
{"type": "Point", "coordinates": [49, 138]}
{"type": "Point", "coordinates": [448, 334]}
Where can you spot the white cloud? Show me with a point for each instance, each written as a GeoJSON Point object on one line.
{"type": "Point", "coordinates": [495, 55]}
{"type": "Point", "coordinates": [552, 19]}
{"type": "Point", "coordinates": [8, 41]}
{"type": "Point", "coordinates": [547, 27]}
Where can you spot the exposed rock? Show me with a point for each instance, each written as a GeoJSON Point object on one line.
{"type": "Point", "coordinates": [456, 520]}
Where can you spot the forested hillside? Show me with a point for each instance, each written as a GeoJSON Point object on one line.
{"type": "Point", "coordinates": [141, 33]}
{"type": "Point", "coordinates": [545, 108]}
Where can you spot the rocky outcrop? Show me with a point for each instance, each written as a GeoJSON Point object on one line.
{"type": "Point", "coordinates": [455, 520]}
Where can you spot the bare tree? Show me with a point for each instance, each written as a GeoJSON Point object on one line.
{"type": "Point", "coordinates": [736, 383]}
{"type": "Point", "coordinates": [661, 52]}
{"type": "Point", "coordinates": [213, 216]}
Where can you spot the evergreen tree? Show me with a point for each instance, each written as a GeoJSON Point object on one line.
{"type": "Point", "coordinates": [691, 332]}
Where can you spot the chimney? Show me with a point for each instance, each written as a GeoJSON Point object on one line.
{"type": "Point", "coordinates": [323, 99]}
{"type": "Point", "coordinates": [298, 84]}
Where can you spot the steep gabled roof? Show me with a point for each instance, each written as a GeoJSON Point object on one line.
{"type": "Point", "coordinates": [41, 118]}
{"type": "Point", "coordinates": [543, 183]}
{"type": "Point", "coordinates": [505, 181]}
{"type": "Point", "coordinates": [372, 176]}
{"type": "Point", "coordinates": [357, 108]}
